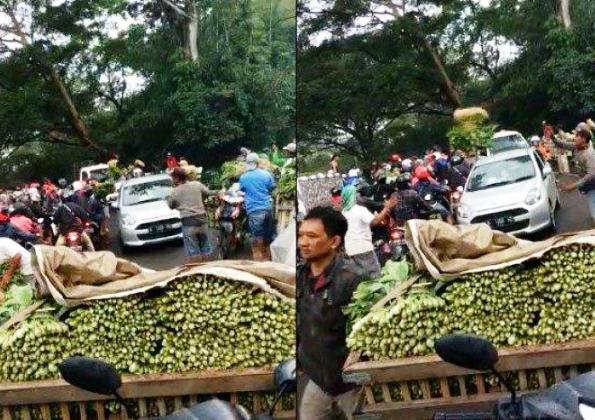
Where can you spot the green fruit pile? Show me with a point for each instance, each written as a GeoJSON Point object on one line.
{"type": "Point", "coordinates": [548, 301]}
{"type": "Point", "coordinates": [193, 324]}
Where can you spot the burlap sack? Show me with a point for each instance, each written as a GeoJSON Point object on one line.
{"type": "Point", "coordinates": [447, 252]}
{"type": "Point", "coordinates": [72, 278]}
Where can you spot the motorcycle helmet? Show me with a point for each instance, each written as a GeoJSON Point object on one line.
{"type": "Point", "coordinates": [62, 182]}
{"type": "Point", "coordinates": [456, 160]}
{"type": "Point", "coordinates": [535, 140]}
{"type": "Point", "coordinates": [137, 172]}
{"type": "Point", "coordinates": [406, 165]}
{"type": "Point", "coordinates": [422, 173]}
{"type": "Point", "coordinates": [394, 158]}
{"type": "Point", "coordinates": [336, 191]}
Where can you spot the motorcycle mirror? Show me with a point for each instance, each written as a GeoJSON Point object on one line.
{"type": "Point", "coordinates": [467, 351]}
{"type": "Point", "coordinates": [91, 375]}
{"type": "Point", "coordinates": [285, 376]}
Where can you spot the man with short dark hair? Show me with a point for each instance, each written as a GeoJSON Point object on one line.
{"type": "Point", "coordinates": [325, 284]}
{"type": "Point", "coordinates": [187, 198]}
{"type": "Point", "coordinates": [585, 158]}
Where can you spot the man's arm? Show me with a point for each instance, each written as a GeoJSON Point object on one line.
{"type": "Point", "coordinates": [13, 265]}
{"type": "Point", "coordinates": [171, 200]}
{"type": "Point", "coordinates": [563, 144]}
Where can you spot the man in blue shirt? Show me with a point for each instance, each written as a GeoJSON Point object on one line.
{"type": "Point", "coordinates": [257, 185]}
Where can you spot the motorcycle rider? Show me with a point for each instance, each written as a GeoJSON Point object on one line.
{"type": "Point", "coordinates": [426, 186]}
{"type": "Point", "coordinates": [458, 172]}
{"type": "Point", "coordinates": [70, 216]}
{"type": "Point", "coordinates": [8, 231]}
{"type": "Point", "coordinates": [409, 203]}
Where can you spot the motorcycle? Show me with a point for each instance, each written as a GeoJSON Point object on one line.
{"type": "Point", "coordinates": [99, 377]}
{"type": "Point", "coordinates": [389, 241]}
{"type": "Point", "coordinates": [74, 241]}
{"type": "Point", "coordinates": [231, 220]}
{"type": "Point", "coordinates": [93, 230]}
{"type": "Point", "coordinates": [432, 201]}
{"type": "Point", "coordinates": [571, 399]}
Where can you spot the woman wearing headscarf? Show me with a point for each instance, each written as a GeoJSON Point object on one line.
{"type": "Point", "coordinates": [358, 240]}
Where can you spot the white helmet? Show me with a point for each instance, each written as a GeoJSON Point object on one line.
{"type": "Point", "coordinates": [77, 185]}
{"type": "Point", "coordinates": [137, 172]}
{"type": "Point", "coordinates": [535, 139]}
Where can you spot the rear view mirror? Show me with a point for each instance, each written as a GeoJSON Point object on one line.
{"type": "Point", "coordinates": [91, 375]}
{"type": "Point", "coordinates": [467, 351]}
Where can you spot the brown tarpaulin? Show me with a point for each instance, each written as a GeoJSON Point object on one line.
{"type": "Point", "coordinates": [72, 277]}
{"type": "Point", "coordinates": [447, 251]}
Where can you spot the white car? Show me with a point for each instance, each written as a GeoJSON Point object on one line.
{"type": "Point", "coordinates": [513, 192]}
{"type": "Point", "coordinates": [504, 141]}
{"type": "Point", "coordinates": [145, 218]}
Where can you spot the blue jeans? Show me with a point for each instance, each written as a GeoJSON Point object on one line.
{"type": "Point", "coordinates": [196, 241]}
{"type": "Point", "coordinates": [261, 226]}
{"type": "Point", "coordinates": [591, 201]}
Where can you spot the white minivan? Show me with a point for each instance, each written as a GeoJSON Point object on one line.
{"type": "Point", "coordinates": [512, 191]}
{"type": "Point", "coordinates": [145, 218]}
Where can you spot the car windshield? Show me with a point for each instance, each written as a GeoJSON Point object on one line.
{"type": "Point", "coordinates": [99, 174]}
{"type": "Point", "coordinates": [146, 192]}
{"type": "Point", "coordinates": [503, 172]}
{"type": "Point", "coordinates": [510, 142]}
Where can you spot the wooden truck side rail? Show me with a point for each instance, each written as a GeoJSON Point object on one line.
{"type": "Point", "coordinates": [418, 387]}
{"type": "Point", "coordinates": [165, 391]}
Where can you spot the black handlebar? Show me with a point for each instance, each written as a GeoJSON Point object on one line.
{"type": "Point", "coordinates": [464, 416]}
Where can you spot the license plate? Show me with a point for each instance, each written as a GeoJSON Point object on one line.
{"type": "Point", "coordinates": [158, 229]}
{"type": "Point", "coordinates": [502, 221]}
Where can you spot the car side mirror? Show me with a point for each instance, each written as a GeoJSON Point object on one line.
{"type": "Point", "coordinates": [547, 170]}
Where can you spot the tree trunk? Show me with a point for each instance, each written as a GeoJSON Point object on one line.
{"type": "Point", "coordinates": [192, 32]}
{"type": "Point", "coordinates": [448, 86]}
{"type": "Point", "coordinates": [565, 13]}
{"type": "Point", "coordinates": [81, 128]}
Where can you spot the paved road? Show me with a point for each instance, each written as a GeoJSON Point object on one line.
{"type": "Point", "coordinates": [158, 257]}
{"type": "Point", "coordinates": [573, 216]}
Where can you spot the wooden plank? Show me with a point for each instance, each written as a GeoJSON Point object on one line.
{"type": "Point", "coordinates": [522, 380]}
{"type": "Point", "coordinates": [25, 412]}
{"type": "Point", "coordinates": [233, 398]}
{"type": "Point", "coordinates": [64, 411]}
{"type": "Point", "coordinates": [573, 371]}
{"type": "Point", "coordinates": [194, 400]}
{"type": "Point", "coordinates": [142, 386]}
{"type": "Point", "coordinates": [45, 412]}
{"type": "Point", "coordinates": [510, 359]}
{"type": "Point", "coordinates": [462, 387]}
{"type": "Point", "coordinates": [444, 389]}
{"type": "Point", "coordinates": [178, 403]}
{"type": "Point", "coordinates": [369, 395]}
{"type": "Point", "coordinates": [82, 411]}
{"type": "Point", "coordinates": [541, 379]}
{"type": "Point", "coordinates": [405, 394]}
{"type": "Point", "coordinates": [123, 413]}
{"type": "Point", "coordinates": [425, 389]}
{"type": "Point", "coordinates": [100, 410]}
{"type": "Point", "coordinates": [558, 375]}
{"type": "Point", "coordinates": [257, 403]}
{"type": "Point", "coordinates": [481, 388]}
{"type": "Point", "coordinates": [161, 407]}
{"type": "Point", "coordinates": [386, 393]}
{"type": "Point", "coordinates": [142, 408]}
{"type": "Point", "coordinates": [6, 413]}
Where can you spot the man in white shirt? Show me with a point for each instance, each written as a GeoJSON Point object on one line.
{"type": "Point", "coordinates": [17, 257]}
{"type": "Point", "coordinates": [358, 240]}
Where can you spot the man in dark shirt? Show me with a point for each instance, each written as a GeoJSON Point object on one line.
{"type": "Point", "coordinates": [409, 203]}
{"type": "Point", "coordinates": [72, 216]}
{"type": "Point", "coordinates": [325, 284]}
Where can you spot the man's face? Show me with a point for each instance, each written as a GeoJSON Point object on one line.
{"type": "Point", "coordinates": [580, 142]}
{"type": "Point", "coordinates": [313, 241]}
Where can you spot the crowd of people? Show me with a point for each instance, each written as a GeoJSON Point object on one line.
{"type": "Point", "coordinates": [336, 248]}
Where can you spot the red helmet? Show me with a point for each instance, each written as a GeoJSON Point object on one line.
{"type": "Point", "coordinates": [421, 173]}
{"type": "Point", "coordinates": [394, 158]}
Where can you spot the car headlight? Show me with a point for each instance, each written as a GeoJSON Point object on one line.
{"type": "Point", "coordinates": [128, 220]}
{"type": "Point", "coordinates": [533, 196]}
{"type": "Point", "coordinates": [464, 211]}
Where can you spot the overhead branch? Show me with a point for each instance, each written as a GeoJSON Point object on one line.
{"type": "Point", "coordinates": [179, 11]}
